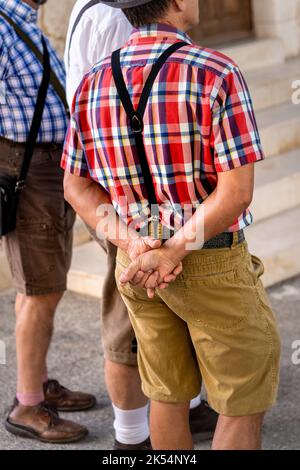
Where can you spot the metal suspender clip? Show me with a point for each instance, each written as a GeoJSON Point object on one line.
{"type": "Point", "coordinates": [137, 124]}
{"type": "Point", "coordinates": [20, 185]}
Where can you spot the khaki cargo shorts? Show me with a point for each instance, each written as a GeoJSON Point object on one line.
{"type": "Point", "coordinates": [39, 251]}
{"type": "Point", "coordinates": [217, 317]}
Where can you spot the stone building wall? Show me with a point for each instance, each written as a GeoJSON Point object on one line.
{"type": "Point", "coordinates": [54, 19]}
{"type": "Point", "coordinates": [280, 19]}
{"type": "Point", "coordinates": [272, 18]}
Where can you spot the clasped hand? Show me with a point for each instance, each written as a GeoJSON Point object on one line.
{"type": "Point", "coordinates": [153, 265]}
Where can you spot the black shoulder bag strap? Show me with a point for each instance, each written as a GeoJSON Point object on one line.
{"type": "Point", "coordinates": [61, 92]}
{"type": "Point", "coordinates": [37, 118]}
{"type": "Point", "coordinates": [76, 23]}
{"type": "Point", "coordinates": [10, 186]}
{"type": "Point", "coordinates": [136, 119]}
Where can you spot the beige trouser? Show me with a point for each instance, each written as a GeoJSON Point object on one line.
{"type": "Point", "coordinates": [217, 317]}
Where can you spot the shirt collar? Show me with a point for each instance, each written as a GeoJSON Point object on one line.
{"type": "Point", "coordinates": [19, 11]}
{"type": "Point", "coordinates": [157, 31]}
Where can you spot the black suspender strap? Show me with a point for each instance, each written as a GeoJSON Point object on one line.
{"type": "Point", "coordinates": [10, 186]}
{"type": "Point", "coordinates": [37, 118]}
{"type": "Point", "coordinates": [136, 119]}
{"type": "Point", "coordinates": [58, 87]}
{"type": "Point", "coordinates": [76, 23]}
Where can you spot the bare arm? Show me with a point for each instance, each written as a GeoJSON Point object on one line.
{"type": "Point", "coordinates": [231, 197]}
{"type": "Point", "coordinates": [86, 197]}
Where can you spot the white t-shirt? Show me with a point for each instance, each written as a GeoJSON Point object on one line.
{"type": "Point", "coordinates": [101, 31]}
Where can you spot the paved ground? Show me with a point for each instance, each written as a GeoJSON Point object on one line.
{"type": "Point", "coordinates": [76, 359]}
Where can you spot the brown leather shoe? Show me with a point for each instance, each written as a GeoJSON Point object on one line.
{"type": "Point", "coordinates": [42, 422]}
{"type": "Point", "coordinates": [203, 421]}
{"type": "Point", "coordinates": [146, 445]}
{"type": "Point", "coordinates": [65, 400]}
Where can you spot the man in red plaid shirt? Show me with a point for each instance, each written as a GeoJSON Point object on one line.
{"type": "Point", "coordinates": [195, 298]}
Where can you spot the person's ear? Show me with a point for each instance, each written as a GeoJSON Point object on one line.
{"type": "Point", "coordinates": [180, 5]}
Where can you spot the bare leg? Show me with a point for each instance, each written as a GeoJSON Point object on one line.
{"type": "Point", "coordinates": [124, 386]}
{"type": "Point", "coordinates": [34, 328]}
{"type": "Point", "coordinates": [241, 433]}
{"type": "Point", "coordinates": [169, 424]}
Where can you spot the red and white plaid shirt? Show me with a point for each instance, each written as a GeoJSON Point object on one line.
{"type": "Point", "coordinates": [199, 121]}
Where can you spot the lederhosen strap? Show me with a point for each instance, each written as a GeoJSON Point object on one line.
{"type": "Point", "coordinates": [38, 111]}
{"type": "Point", "coordinates": [137, 123]}
{"type": "Point", "coordinates": [37, 117]}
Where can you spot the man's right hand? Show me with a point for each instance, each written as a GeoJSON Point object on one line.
{"type": "Point", "coordinates": [153, 269]}
{"type": "Point", "coordinates": [139, 246]}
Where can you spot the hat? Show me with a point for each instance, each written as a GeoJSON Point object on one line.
{"type": "Point", "coordinates": [125, 3]}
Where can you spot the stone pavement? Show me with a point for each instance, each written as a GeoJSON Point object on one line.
{"type": "Point", "coordinates": [76, 359]}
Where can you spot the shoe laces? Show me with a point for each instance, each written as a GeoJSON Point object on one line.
{"type": "Point", "coordinates": [54, 386]}
{"type": "Point", "coordinates": [51, 412]}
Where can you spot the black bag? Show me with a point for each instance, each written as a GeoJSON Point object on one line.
{"type": "Point", "coordinates": [8, 204]}
{"type": "Point", "coordinates": [10, 186]}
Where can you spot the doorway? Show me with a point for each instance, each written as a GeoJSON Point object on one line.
{"type": "Point", "coordinates": [223, 21]}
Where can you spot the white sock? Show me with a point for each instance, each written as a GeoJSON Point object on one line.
{"type": "Point", "coordinates": [195, 402]}
{"type": "Point", "coordinates": [131, 426]}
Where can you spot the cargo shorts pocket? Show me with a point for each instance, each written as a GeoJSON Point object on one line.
{"type": "Point", "coordinates": [217, 301]}
{"type": "Point", "coordinates": [133, 297]}
{"type": "Point", "coordinates": [255, 270]}
{"type": "Point", "coordinates": [40, 246]}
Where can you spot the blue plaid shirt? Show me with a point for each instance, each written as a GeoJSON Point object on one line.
{"type": "Point", "coordinates": [20, 78]}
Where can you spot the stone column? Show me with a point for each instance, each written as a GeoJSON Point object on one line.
{"type": "Point", "coordinates": [279, 19]}
{"type": "Point", "coordinates": [54, 19]}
